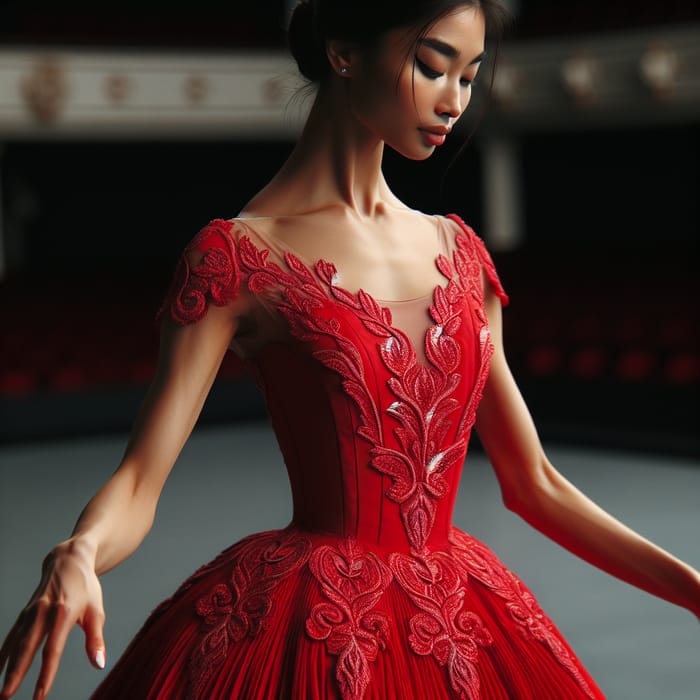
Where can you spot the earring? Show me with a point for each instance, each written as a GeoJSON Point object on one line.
{"type": "Point", "coordinates": [343, 70]}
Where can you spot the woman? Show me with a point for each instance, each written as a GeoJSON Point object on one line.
{"type": "Point", "coordinates": [374, 332]}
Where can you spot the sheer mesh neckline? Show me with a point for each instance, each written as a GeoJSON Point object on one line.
{"type": "Point", "coordinates": [416, 321]}
{"type": "Point", "coordinates": [280, 247]}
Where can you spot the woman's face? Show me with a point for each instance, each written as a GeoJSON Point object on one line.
{"type": "Point", "coordinates": [414, 113]}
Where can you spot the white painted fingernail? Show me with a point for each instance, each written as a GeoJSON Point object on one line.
{"type": "Point", "coordinates": [100, 658]}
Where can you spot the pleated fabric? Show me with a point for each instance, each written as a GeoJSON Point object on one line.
{"type": "Point", "coordinates": [257, 646]}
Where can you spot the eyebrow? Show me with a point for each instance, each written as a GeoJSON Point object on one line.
{"type": "Point", "coordinates": [448, 50]}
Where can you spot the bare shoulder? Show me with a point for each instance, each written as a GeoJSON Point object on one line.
{"type": "Point", "coordinates": [294, 228]}
{"type": "Point", "coordinates": [392, 237]}
{"type": "Point", "coordinates": [269, 226]}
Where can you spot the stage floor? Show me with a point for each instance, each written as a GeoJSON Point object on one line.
{"type": "Point", "coordinates": [230, 482]}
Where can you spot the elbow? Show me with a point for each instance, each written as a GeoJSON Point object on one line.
{"type": "Point", "coordinates": [149, 517]}
{"type": "Point", "coordinates": [510, 499]}
{"type": "Point", "coordinates": [144, 515]}
{"type": "Point", "coordinates": [525, 494]}
{"type": "Point", "coordinates": [516, 500]}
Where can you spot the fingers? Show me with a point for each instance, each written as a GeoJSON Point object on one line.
{"type": "Point", "coordinates": [70, 593]}
{"type": "Point", "coordinates": [93, 627]}
{"type": "Point", "coordinates": [22, 644]}
{"type": "Point", "coordinates": [53, 649]}
{"type": "Point", "coordinates": [9, 643]}
{"type": "Point", "coordinates": [93, 624]}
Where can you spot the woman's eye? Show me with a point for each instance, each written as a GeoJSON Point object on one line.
{"type": "Point", "coordinates": [466, 82]}
{"type": "Point", "coordinates": [427, 71]}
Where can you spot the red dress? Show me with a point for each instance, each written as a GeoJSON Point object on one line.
{"type": "Point", "coordinates": [370, 591]}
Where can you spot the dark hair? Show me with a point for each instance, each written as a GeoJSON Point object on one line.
{"type": "Point", "coordinates": [365, 22]}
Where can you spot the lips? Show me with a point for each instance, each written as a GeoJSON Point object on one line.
{"type": "Point", "coordinates": [435, 136]}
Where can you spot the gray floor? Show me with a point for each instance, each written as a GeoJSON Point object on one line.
{"type": "Point", "coordinates": [229, 482]}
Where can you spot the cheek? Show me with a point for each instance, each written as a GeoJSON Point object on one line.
{"type": "Point", "coordinates": [417, 100]}
{"type": "Point", "coordinates": [408, 97]}
{"type": "Point", "coordinates": [381, 103]}
{"type": "Point", "coordinates": [466, 99]}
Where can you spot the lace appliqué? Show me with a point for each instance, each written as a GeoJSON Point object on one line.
{"type": "Point", "coordinates": [532, 622]}
{"type": "Point", "coordinates": [353, 581]}
{"type": "Point", "coordinates": [424, 392]}
{"type": "Point", "coordinates": [425, 402]}
{"type": "Point", "coordinates": [484, 257]}
{"type": "Point", "coordinates": [198, 575]}
{"type": "Point", "coordinates": [444, 629]}
{"type": "Point", "coordinates": [424, 412]}
{"type": "Point", "coordinates": [242, 605]}
{"type": "Point", "coordinates": [215, 279]}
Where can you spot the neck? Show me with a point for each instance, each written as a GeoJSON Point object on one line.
{"type": "Point", "coordinates": [337, 161]}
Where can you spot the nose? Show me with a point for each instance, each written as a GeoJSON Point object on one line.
{"type": "Point", "coordinates": [450, 104]}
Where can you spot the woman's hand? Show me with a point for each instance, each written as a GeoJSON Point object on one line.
{"type": "Point", "coordinates": [69, 593]}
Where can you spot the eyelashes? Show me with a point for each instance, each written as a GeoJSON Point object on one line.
{"type": "Point", "coordinates": [427, 71]}
{"type": "Point", "coordinates": [433, 74]}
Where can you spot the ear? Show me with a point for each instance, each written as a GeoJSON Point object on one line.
{"type": "Point", "coordinates": [342, 56]}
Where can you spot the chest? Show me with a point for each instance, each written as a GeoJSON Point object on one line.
{"type": "Point", "coordinates": [391, 260]}
{"type": "Point", "coordinates": [440, 328]}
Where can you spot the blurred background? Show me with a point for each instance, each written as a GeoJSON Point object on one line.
{"type": "Point", "coordinates": [126, 126]}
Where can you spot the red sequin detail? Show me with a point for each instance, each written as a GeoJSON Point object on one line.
{"type": "Point", "coordinates": [353, 581]}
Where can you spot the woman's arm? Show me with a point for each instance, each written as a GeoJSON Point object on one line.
{"type": "Point", "coordinates": [536, 491]}
{"type": "Point", "coordinates": [189, 359]}
{"type": "Point", "coordinates": [119, 516]}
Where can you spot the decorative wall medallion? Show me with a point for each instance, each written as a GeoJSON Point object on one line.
{"type": "Point", "coordinates": [507, 83]}
{"type": "Point", "coordinates": [45, 89]}
{"type": "Point", "coordinates": [117, 87]}
{"type": "Point", "coordinates": [579, 75]}
{"type": "Point", "coordinates": [196, 89]}
{"type": "Point", "coordinates": [273, 90]}
{"type": "Point", "coordinates": [659, 68]}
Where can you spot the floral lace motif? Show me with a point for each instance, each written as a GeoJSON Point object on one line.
{"type": "Point", "coordinates": [423, 409]}
{"type": "Point", "coordinates": [520, 603]}
{"type": "Point", "coordinates": [430, 430]}
{"type": "Point", "coordinates": [424, 392]}
{"type": "Point", "coordinates": [444, 629]}
{"type": "Point", "coordinates": [485, 260]}
{"type": "Point", "coordinates": [215, 279]}
{"type": "Point", "coordinates": [353, 581]}
{"type": "Point", "coordinates": [241, 606]}
{"type": "Point", "coordinates": [425, 402]}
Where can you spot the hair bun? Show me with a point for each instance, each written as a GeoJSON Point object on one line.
{"type": "Point", "coordinates": [303, 42]}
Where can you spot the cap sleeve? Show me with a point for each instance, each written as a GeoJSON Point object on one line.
{"type": "Point", "coordinates": [484, 258]}
{"type": "Point", "coordinates": [207, 273]}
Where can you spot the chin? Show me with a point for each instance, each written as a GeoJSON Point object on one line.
{"type": "Point", "coordinates": [413, 153]}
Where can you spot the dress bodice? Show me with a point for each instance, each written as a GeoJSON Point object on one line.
{"type": "Point", "coordinates": [372, 402]}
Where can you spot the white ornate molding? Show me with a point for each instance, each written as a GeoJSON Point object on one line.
{"type": "Point", "coordinates": [649, 77]}
{"type": "Point", "coordinates": [640, 77]}
{"type": "Point", "coordinates": [65, 93]}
